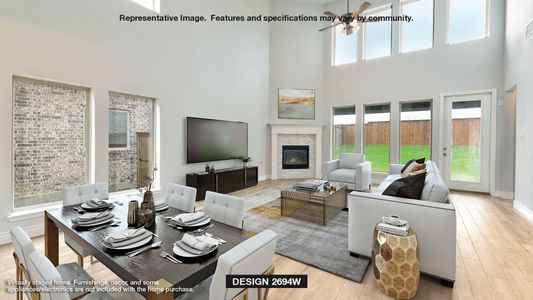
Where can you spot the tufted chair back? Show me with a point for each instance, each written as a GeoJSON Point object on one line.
{"type": "Point", "coordinates": [252, 257]}
{"type": "Point", "coordinates": [79, 194]}
{"type": "Point", "coordinates": [22, 244]}
{"type": "Point", "coordinates": [224, 208]}
{"type": "Point", "coordinates": [181, 197]}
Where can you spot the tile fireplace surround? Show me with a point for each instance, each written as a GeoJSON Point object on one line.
{"type": "Point", "coordinates": [285, 134]}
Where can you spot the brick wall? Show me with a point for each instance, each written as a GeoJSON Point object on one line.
{"type": "Point", "coordinates": [123, 162]}
{"type": "Point", "coordinates": [49, 136]}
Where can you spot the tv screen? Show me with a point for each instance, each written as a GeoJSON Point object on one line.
{"type": "Point", "coordinates": [210, 140]}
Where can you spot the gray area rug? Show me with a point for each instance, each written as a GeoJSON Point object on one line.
{"type": "Point", "coordinates": [323, 247]}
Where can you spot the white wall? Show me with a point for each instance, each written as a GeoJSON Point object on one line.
{"type": "Point", "coordinates": [425, 74]}
{"type": "Point", "coordinates": [519, 73]}
{"type": "Point", "coordinates": [213, 70]}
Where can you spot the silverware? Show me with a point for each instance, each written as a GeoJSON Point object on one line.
{"type": "Point", "coordinates": [79, 210]}
{"type": "Point", "coordinates": [119, 203]}
{"type": "Point", "coordinates": [214, 237]}
{"type": "Point", "coordinates": [203, 228]}
{"type": "Point", "coordinates": [169, 217]}
{"type": "Point", "coordinates": [144, 249]}
{"type": "Point", "coordinates": [174, 226]}
{"type": "Point", "coordinates": [166, 255]}
{"type": "Point", "coordinates": [113, 224]}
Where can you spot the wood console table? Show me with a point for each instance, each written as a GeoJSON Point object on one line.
{"type": "Point", "coordinates": [223, 181]}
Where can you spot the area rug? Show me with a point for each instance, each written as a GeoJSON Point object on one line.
{"type": "Point", "coordinates": [323, 247]}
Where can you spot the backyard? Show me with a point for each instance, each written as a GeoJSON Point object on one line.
{"type": "Point", "coordinates": [465, 159]}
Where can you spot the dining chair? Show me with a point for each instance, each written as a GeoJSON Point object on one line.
{"type": "Point", "coordinates": [181, 197]}
{"type": "Point", "coordinates": [76, 195]}
{"type": "Point", "coordinates": [23, 247]}
{"type": "Point", "coordinates": [254, 256]}
{"type": "Point", "coordinates": [225, 208]}
{"type": "Point", "coordinates": [41, 269]}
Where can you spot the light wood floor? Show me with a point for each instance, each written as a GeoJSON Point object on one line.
{"type": "Point", "coordinates": [494, 259]}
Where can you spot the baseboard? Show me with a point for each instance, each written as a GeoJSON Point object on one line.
{"type": "Point", "coordinates": [524, 210]}
{"type": "Point", "coordinates": [263, 178]}
{"type": "Point", "coordinates": [504, 195]}
{"type": "Point", "coordinates": [33, 231]}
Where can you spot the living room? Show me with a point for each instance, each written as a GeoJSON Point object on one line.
{"type": "Point", "coordinates": [91, 97]}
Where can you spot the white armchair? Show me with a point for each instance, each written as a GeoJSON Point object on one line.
{"type": "Point", "coordinates": [350, 169]}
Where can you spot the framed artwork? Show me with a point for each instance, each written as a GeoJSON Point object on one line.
{"type": "Point", "coordinates": [296, 104]}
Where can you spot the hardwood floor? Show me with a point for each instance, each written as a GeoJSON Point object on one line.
{"type": "Point", "coordinates": [494, 259]}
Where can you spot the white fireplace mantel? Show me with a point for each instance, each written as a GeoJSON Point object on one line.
{"type": "Point", "coordinates": [305, 129]}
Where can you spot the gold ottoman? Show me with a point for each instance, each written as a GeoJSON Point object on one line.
{"type": "Point", "coordinates": [396, 264]}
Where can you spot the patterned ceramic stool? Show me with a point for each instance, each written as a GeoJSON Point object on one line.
{"type": "Point", "coordinates": [396, 264]}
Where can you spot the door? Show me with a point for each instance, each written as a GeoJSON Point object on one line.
{"type": "Point", "coordinates": [143, 158]}
{"type": "Point", "coordinates": [466, 144]}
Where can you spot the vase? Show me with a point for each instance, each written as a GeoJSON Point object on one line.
{"type": "Point", "coordinates": [145, 218]}
{"type": "Point", "coordinates": [148, 198]}
{"type": "Point", "coordinates": [133, 211]}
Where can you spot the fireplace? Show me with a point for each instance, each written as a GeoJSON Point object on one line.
{"type": "Point", "coordinates": [295, 157]}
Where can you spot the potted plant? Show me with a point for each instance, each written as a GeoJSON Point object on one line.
{"type": "Point", "coordinates": [245, 160]}
{"type": "Point", "coordinates": [148, 196]}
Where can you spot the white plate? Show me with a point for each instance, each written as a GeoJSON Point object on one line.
{"type": "Point", "coordinates": [85, 206]}
{"type": "Point", "coordinates": [132, 246]}
{"type": "Point", "coordinates": [203, 223]}
{"type": "Point", "coordinates": [180, 252]}
{"type": "Point", "coordinates": [158, 209]}
{"type": "Point", "coordinates": [94, 224]}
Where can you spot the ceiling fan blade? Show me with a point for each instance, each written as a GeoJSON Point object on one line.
{"type": "Point", "coordinates": [361, 9]}
{"type": "Point", "coordinates": [331, 14]}
{"type": "Point", "coordinates": [332, 25]}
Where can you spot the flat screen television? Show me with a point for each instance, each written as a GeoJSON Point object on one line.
{"type": "Point", "coordinates": [211, 140]}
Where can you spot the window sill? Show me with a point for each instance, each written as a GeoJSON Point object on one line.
{"type": "Point", "coordinates": [30, 213]}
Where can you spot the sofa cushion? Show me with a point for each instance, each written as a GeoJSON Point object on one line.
{"type": "Point", "coordinates": [342, 175]}
{"type": "Point", "coordinates": [350, 160]}
{"type": "Point", "coordinates": [385, 183]}
{"type": "Point", "coordinates": [407, 187]}
{"type": "Point", "coordinates": [435, 189]}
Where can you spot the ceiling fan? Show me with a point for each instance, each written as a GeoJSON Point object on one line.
{"type": "Point", "coordinates": [348, 18]}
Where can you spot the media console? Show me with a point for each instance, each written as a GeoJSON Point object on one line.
{"type": "Point", "coordinates": [223, 181]}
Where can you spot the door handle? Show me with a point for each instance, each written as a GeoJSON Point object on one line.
{"type": "Point", "coordinates": [444, 154]}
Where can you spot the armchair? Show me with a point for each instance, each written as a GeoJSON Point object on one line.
{"type": "Point", "coordinates": [350, 169]}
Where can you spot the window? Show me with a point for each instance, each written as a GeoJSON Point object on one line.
{"type": "Point", "coordinates": [343, 131]}
{"type": "Point", "coordinates": [131, 146]}
{"type": "Point", "coordinates": [418, 34]}
{"type": "Point", "coordinates": [118, 129]}
{"type": "Point", "coordinates": [378, 35]}
{"type": "Point", "coordinates": [345, 47]}
{"type": "Point", "coordinates": [149, 4]}
{"type": "Point", "coordinates": [50, 148]}
{"type": "Point", "coordinates": [377, 136]}
{"type": "Point", "coordinates": [467, 20]}
{"type": "Point", "coordinates": [415, 130]}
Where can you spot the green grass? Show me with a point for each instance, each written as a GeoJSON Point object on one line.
{"type": "Point", "coordinates": [465, 162]}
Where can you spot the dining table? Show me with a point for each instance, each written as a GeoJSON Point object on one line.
{"type": "Point", "coordinates": [149, 274]}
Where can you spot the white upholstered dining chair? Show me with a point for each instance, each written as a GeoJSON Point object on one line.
{"type": "Point", "coordinates": [254, 256]}
{"type": "Point", "coordinates": [181, 197]}
{"type": "Point", "coordinates": [29, 269]}
{"type": "Point", "coordinates": [41, 269]}
{"type": "Point", "coordinates": [76, 195]}
{"type": "Point", "coordinates": [224, 208]}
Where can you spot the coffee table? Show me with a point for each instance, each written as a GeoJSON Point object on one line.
{"type": "Point", "coordinates": [317, 207]}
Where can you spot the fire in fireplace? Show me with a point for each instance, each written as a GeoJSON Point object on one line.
{"type": "Point", "coordinates": [295, 157]}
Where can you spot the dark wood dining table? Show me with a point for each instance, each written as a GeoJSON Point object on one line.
{"type": "Point", "coordinates": [149, 266]}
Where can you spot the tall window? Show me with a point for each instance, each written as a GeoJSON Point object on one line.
{"type": "Point", "coordinates": [377, 136]}
{"type": "Point", "coordinates": [418, 34]}
{"type": "Point", "coordinates": [49, 140]}
{"type": "Point", "coordinates": [467, 20]}
{"type": "Point", "coordinates": [149, 4]}
{"type": "Point", "coordinates": [343, 130]}
{"type": "Point", "coordinates": [415, 130]}
{"type": "Point", "coordinates": [378, 35]}
{"type": "Point", "coordinates": [131, 146]}
{"type": "Point", "coordinates": [345, 46]}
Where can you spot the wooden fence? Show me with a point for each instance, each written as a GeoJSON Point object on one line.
{"type": "Point", "coordinates": [465, 133]}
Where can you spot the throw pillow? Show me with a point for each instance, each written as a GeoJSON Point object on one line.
{"type": "Point", "coordinates": [407, 187]}
{"type": "Point", "coordinates": [413, 168]}
{"type": "Point", "coordinates": [420, 161]}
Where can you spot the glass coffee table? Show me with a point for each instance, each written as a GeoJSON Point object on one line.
{"type": "Point", "coordinates": [317, 207]}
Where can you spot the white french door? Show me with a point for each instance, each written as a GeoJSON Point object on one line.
{"type": "Point", "coordinates": [466, 142]}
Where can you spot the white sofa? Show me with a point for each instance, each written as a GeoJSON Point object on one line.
{"type": "Point", "coordinates": [350, 169]}
{"type": "Point", "coordinates": [433, 219]}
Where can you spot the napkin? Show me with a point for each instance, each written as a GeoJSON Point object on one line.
{"type": "Point", "coordinates": [126, 237]}
{"type": "Point", "coordinates": [96, 203]}
{"type": "Point", "coordinates": [92, 218]}
{"type": "Point", "coordinates": [201, 243]}
{"type": "Point", "coordinates": [188, 217]}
